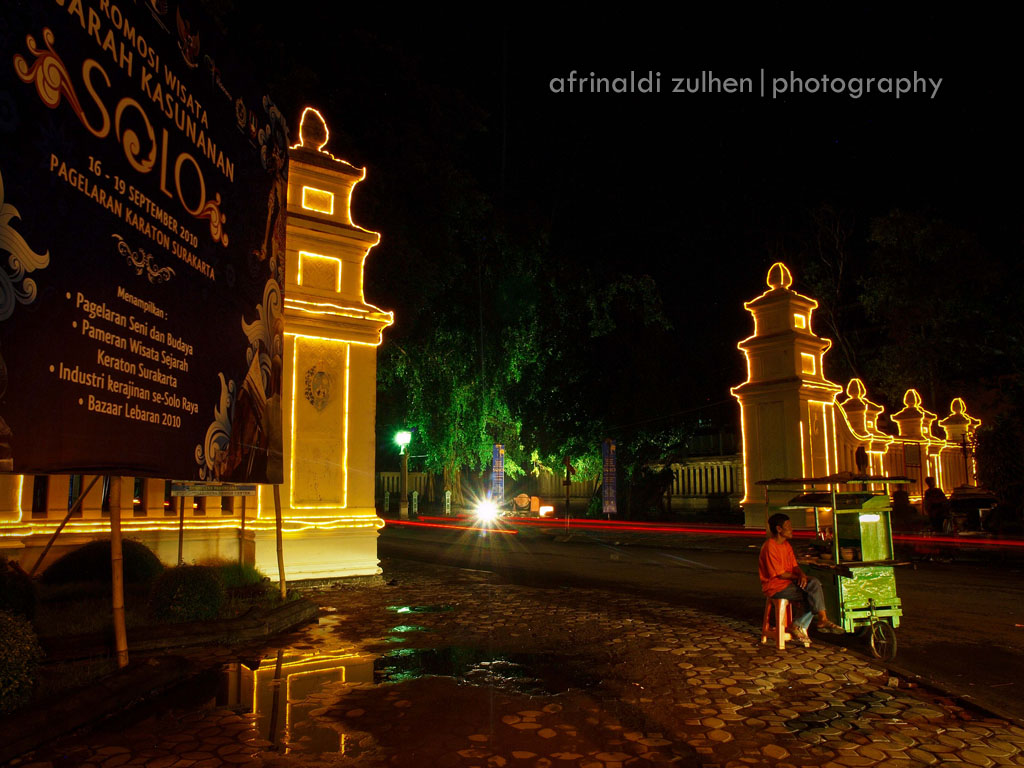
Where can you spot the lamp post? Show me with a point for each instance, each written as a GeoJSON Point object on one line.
{"type": "Point", "coordinates": [402, 439]}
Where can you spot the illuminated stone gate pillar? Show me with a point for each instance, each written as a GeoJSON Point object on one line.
{"type": "Point", "coordinates": [787, 406]}
{"type": "Point", "coordinates": [330, 371]}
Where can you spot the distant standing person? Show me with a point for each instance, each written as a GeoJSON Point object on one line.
{"type": "Point", "coordinates": [782, 578]}
{"type": "Point", "coordinates": [936, 506]}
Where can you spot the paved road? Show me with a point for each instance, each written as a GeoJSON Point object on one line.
{"type": "Point", "coordinates": [963, 627]}
{"type": "Point", "coordinates": [457, 668]}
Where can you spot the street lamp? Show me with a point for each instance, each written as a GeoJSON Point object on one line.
{"type": "Point", "coordinates": [402, 440]}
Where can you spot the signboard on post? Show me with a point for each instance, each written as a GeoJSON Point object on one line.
{"type": "Point", "coordinates": [142, 200]}
{"type": "Point", "coordinates": [498, 475]}
{"type": "Point", "coordinates": [608, 481]}
{"type": "Point", "coordinates": [212, 489]}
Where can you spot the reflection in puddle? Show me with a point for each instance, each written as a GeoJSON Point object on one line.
{"type": "Point", "coordinates": [296, 696]}
{"type": "Point", "coordinates": [827, 717]}
{"type": "Point", "coordinates": [407, 628]}
{"type": "Point", "coordinates": [420, 608]}
{"type": "Point", "coordinates": [532, 674]}
{"type": "Point", "coordinates": [284, 691]}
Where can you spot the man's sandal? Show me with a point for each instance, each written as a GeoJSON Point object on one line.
{"type": "Point", "coordinates": [799, 634]}
{"type": "Point", "coordinates": [829, 628]}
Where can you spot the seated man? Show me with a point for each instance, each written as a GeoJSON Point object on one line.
{"type": "Point", "coordinates": [781, 577]}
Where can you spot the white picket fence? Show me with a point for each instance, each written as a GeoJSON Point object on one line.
{"type": "Point", "coordinates": [694, 479]}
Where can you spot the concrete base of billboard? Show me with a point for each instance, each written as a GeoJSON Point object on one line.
{"type": "Point", "coordinates": [197, 546]}
{"type": "Point", "coordinates": [320, 554]}
{"type": "Point", "coordinates": [309, 554]}
{"type": "Point", "coordinates": [200, 545]}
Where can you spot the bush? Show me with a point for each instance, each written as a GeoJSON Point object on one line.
{"type": "Point", "coordinates": [17, 592]}
{"type": "Point", "coordinates": [19, 658]}
{"type": "Point", "coordinates": [92, 563]}
{"type": "Point", "coordinates": [187, 593]}
{"type": "Point", "coordinates": [243, 581]}
{"type": "Point", "coordinates": [237, 575]}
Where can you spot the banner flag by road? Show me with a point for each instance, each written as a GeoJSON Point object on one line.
{"type": "Point", "coordinates": [498, 475]}
{"type": "Point", "coordinates": [142, 201]}
{"type": "Point", "coordinates": [608, 484]}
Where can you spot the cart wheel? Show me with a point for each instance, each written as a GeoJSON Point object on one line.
{"type": "Point", "coordinates": [883, 640]}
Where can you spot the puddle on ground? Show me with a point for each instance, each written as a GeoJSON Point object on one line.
{"type": "Point", "coordinates": [533, 674]}
{"type": "Point", "coordinates": [844, 716]}
{"type": "Point", "coordinates": [397, 634]}
{"type": "Point", "coordinates": [290, 693]}
{"type": "Point", "coordinates": [420, 608]}
{"type": "Point", "coordinates": [403, 628]}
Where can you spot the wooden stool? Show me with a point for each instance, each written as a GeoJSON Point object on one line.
{"type": "Point", "coordinates": [779, 610]}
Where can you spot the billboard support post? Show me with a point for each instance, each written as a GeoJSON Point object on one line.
{"type": "Point", "coordinates": [181, 530]}
{"type": "Point", "coordinates": [117, 573]}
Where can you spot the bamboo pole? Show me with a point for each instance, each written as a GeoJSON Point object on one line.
{"type": "Point", "coordinates": [74, 508]}
{"type": "Point", "coordinates": [280, 542]}
{"type": "Point", "coordinates": [241, 537]}
{"type": "Point", "coordinates": [117, 573]}
{"type": "Point", "coordinates": [181, 530]}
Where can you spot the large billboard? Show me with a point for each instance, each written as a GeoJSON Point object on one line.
{"type": "Point", "coordinates": [142, 185]}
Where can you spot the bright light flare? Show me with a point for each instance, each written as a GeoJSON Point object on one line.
{"type": "Point", "coordinates": [486, 511]}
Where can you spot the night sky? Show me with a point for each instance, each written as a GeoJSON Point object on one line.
{"type": "Point", "coordinates": [701, 191]}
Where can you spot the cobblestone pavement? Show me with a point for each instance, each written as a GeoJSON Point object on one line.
{"type": "Point", "coordinates": [448, 667]}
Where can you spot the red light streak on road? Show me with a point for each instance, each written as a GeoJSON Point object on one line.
{"type": "Point", "coordinates": [958, 541]}
{"type": "Point", "coordinates": [414, 524]}
{"type": "Point", "coordinates": [713, 530]}
{"type": "Point", "coordinates": [622, 525]}
{"type": "Point", "coordinates": [592, 525]}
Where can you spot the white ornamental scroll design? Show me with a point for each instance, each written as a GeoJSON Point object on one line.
{"type": "Point", "coordinates": [22, 260]}
{"type": "Point", "coordinates": [142, 261]}
{"type": "Point", "coordinates": [264, 334]}
{"type": "Point", "coordinates": [212, 454]}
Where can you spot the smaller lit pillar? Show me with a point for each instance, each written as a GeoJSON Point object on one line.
{"type": "Point", "coordinates": [863, 417]}
{"type": "Point", "coordinates": [920, 448]}
{"type": "Point", "coordinates": [960, 427]}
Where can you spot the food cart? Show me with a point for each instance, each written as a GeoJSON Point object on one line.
{"type": "Point", "coordinates": [853, 552]}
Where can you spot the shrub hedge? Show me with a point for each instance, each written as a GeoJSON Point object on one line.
{"type": "Point", "coordinates": [237, 575]}
{"type": "Point", "coordinates": [20, 655]}
{"type": "Point", "coordinates": [187, 593]}
{"type": "Point", "coordinates": [17, 592]}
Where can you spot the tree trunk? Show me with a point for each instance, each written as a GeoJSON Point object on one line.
{"type": "Point", "coordinates": [453, 482]}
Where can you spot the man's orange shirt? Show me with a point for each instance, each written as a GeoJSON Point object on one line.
{"type": "Point", "coordinates": [774, 559]}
